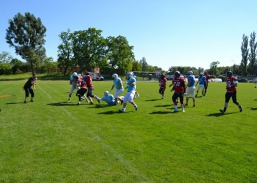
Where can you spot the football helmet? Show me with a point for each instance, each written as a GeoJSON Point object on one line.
{"type": "Point", "coordinates": [130, 74]}
{"type": "Point", "coordinates": [106, 93]}
{"type": "Point", "coordinates": [190, 72]}
{"type": "Point", "coordinates": [229, 73]}
{"type": "Point", "coordinates": [177, 74]}
{"type": "Point", "coordinates": [115, 76]}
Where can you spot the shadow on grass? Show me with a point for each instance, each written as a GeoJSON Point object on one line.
{"type": "Point", "coordinates": [15, 103]}
{"type": "Point", "coordinates": [218, 114]}
{"type": "Point", "coordinates": [63, 104]}
{"type": "Point", "coordinates": [114, 112]}
{"type": "Point", "coordinates": [162, 112]}
{"type": "Point", "coordinates": [253, 108]}
{"type": "Point", "coordinates": [99, 106]}
{"type": "Point", "coordinates": [152, 100]}
{"type": "Point", "coordinates": [166, 105]}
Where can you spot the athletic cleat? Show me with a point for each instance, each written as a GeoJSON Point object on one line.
{"type": "Point", "coordinates": [25, 102]}
{"type": "Point", "coordinates": [91, 103]}
{"type": "Point", "coordinates": [240, 108]}
{"type": "Point", "coordinates": [183, 110]}
{"type": "Point", "coordinates": [98, 100]}
{"type": "Point", "coordinates": [79, 103]}
{"type": "Point", "coordinates": [69, 100]}
{"type": "Point", "coordinates": [31, 100]}
{"type": "Point", "coordinates": [186, 104]}
{"type": "Point", "coordinates": [193, 105]}
{"type": "Point", "coordinates": [136, 108]}
{"type": "Point", "coordinates": [222, 111]}
{"type": "Point", "coordinates": [176, 110]}
{"type": "Point", "coordinates": [121, 110]}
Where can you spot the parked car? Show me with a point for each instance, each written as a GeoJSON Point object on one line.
{"type": "Point", "coordinates": [243, 80]}
{"type": "Point", "coordinates": [215, 80]}
{"type": "Point", "coordinates": [254, 80]}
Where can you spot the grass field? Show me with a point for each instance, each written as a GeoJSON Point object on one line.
{"type": "Point", "coordinates": [51, 140]}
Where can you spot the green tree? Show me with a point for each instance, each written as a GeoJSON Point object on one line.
{"type": "Point", "coordinates": [136, 66]}
{"type": "Point", "coordinates": [214, 67]}
{"type": "Point", "coordinates": [144, 64]}
{"type": "Point", "coordinates": [65, 52]}
{"type": "Point", "coordinates": [252, 55]}
{"type": "Point", "coordinates": [119, 53]}
{"type": "Point", "coordinates": [26, 34]}
{"type": "Point", "coordinates": [89, 48]}
{"type": "Point", "coordinates": [244, 50]}
{"type": "Point", "coordinates": [5, 57]}
{"type": "Point", "coordinates": [18, 66]}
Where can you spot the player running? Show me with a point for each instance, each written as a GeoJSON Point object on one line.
{"type": "Point", "coordinates": [117, 83]}
{"type": "Point", "coordinates": [131, 82]}
{"type": "Point", "coordinates": [179, 90]}
{"type": "Point", "coordinates": [231, 84]}
{"type": "Point", "coordinates": [162, 83]}
{"type": "Point", "coordinates": [190, 87]}
{"type": "Point", "coordinates": [202, 83]}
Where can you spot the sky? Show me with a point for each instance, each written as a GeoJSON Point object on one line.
{"type": "Point", "coordinates": [166, 32]}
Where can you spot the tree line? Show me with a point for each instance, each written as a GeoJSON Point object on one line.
{"type": "Point", "coordinates": [88, 49]}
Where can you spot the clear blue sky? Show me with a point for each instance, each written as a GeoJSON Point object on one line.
{"type": "Point", "coordinates": [165, 32]}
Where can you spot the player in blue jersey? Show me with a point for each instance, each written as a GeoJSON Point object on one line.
{"type": "Point", "coordinates": [110, 100]}
{"type": "Point", "coordinates": [117, 83]}
{"type": "Point", "coordinates": [190, 87]}
{"type": "Point", "coordinates": [202, 82]}
{"type": "Point", "coordinates": [131, 86]}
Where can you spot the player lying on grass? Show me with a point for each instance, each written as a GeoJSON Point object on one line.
{"type": "Point", "coordinates": [110, 100]}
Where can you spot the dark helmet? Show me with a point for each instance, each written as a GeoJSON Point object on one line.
{"type": "Point", "coordinates": [229, 73]}
{"type": "Point", "coordinates": [177, 74]}
{"type": "Point", "coordinates": [162, 76]}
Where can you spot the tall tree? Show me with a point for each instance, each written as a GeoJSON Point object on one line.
{"type": "Point", "coordinates": [119, 53]}
{"type": "Point", "coordinates": [214, 67]}
{"type": "Point", "coordinates": [65, 52]}
{"type": "Point", "coordinates": [26, 34]}
{"type": "Point", "coordinates": [5, 57]}
{"type": "Point", "coordinates": [89, 48]}
{"type": "Point", "coordinates": [244, 50]}
{"type": "Point", "coordinates": [144, 64]}
{"type": "Point", "coordinates": [252, 55]}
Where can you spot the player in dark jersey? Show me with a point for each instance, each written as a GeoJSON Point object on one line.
{"type": "Point", "coordinates": [88, 79]}
{"type": "Point", "coordinates": [28, 88]}
{"type": "Point", "coordinates": [162, 84]}
{"type": "Point", "coordinates": [231, 84]}
{"type": "Point", "coordinates": [179, 90]}
{"type": "Point", "coordinates": [82, 90]}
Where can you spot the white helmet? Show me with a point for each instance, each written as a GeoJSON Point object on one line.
{"type": "Point", "coordinates": [115, 76]}
{"type": "Point", "coordinates": [106, 93]}
{"type": "Point", "coordinates": [190, 72]}
{"type": "Point", "coordinates": [75, 75]}
{"type": "Point", "coordinates": [130, 74]}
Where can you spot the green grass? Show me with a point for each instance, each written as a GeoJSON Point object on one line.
{"type": "Point", "coordinates": [51, 140]}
